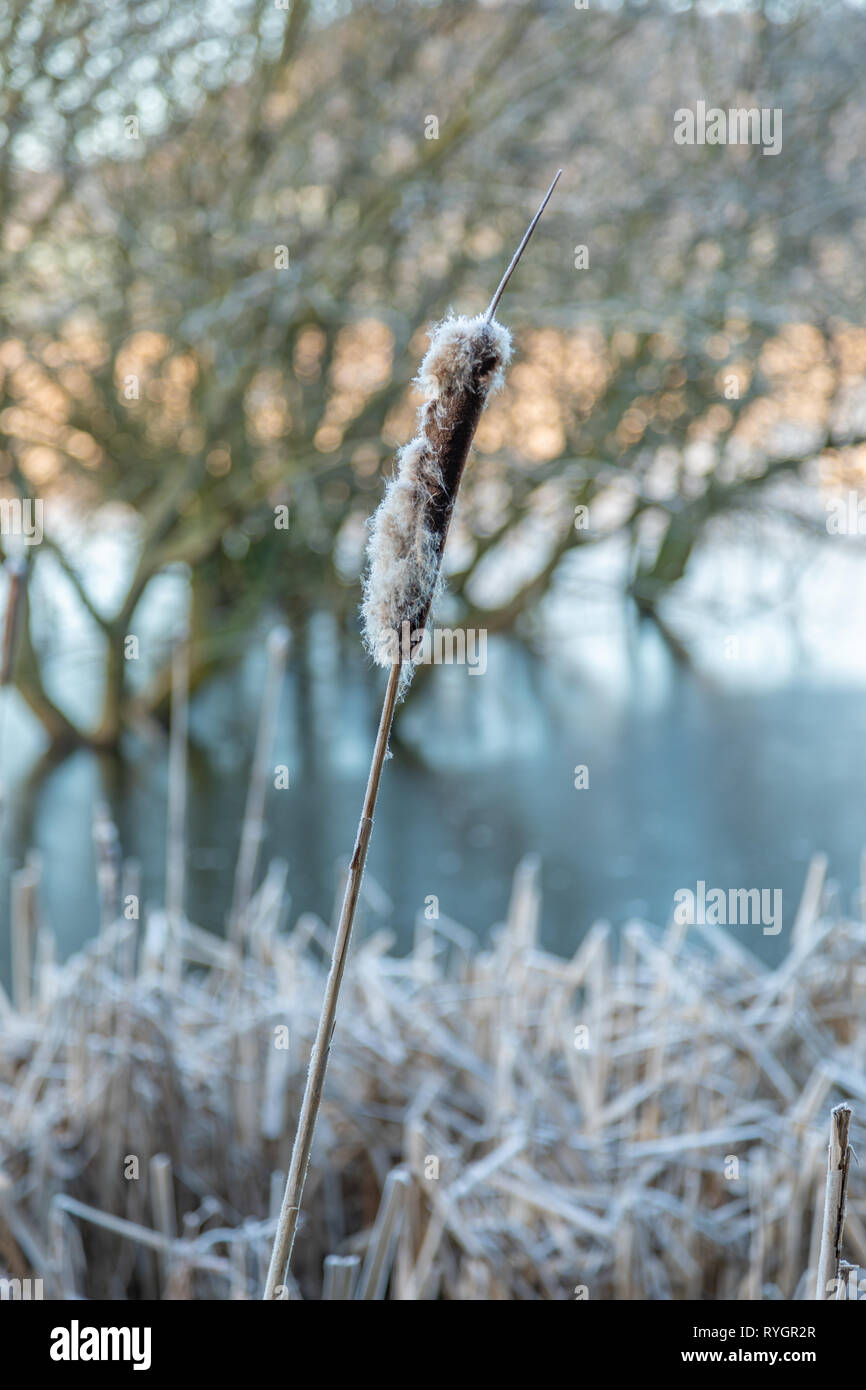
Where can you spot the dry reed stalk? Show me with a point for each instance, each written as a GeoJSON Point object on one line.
{"type": "Point", "coordinates": [835, 1201]}
{"type": "Point", "coordinates": [855, 1232]}
{"type": "Point", "coordinates": [278, 1182]}
{"type": "Point", "coordinates": [16, 570]}
{"type": "Point", "coordinates": [44, 967]}
{"type": "Point", "coordinates": [163, 1207]}
{"type": "Point", "coordinates": [175, 845]}
{"type": "Point", "coordinates": [462, 366]}
{"type": "Point", "coordinates": [248, 1109]}
{"type": "Point", "coordinates": [384, 1236]}
{"type": "Point", "coordinates": [809, 908]}
{"type": "Point", "coordinates": [848, 1278]}
{"type": "Point", "coordinates": [130, 897]}
{"type": "Point", "coordinates": [24, 931]}
{"type": "Point", "coordinates": [288, 1220]}
{"type": "Point", "coordinates": [757, 1201]}
{"type": "Point", "coordinates": [106, 845]}
{"type": "Point", "coordinates": [278, 1070]}
{"type": "Point", "coordinates": [341, 1273]}
{"type": "Point", "coordinates": [669, 1195]}
{"type": "Point", "coordinates": [518, 1211]}
{"type": "Point", "coordinates": [118, 1225]}
{"type": "Point", "coordinates": [64, 1248]}
{"type": "Point", "coordinates": [253, 827]}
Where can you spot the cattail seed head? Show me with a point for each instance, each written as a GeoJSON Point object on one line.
{"type": "Point", "coordinates": [464, 364]}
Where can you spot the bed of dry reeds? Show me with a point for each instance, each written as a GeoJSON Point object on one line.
{"type": "Point", "coordinates": [641, 1121]}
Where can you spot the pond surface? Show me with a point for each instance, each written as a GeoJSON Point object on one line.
{"type": "Point", "coordinates": [732, 774]}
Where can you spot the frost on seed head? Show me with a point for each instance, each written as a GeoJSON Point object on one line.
{"type": "Point", "coordinates": [403, 554]}
{"type": "Point", "coordinates": [464, 350]}
{"type": "Point", "coordinates": [463, 365]}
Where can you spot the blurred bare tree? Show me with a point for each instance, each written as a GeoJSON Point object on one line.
{"type": "Point", "coordinates": [224, 231]}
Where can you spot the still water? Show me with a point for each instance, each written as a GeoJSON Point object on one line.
{"type": "Point", "coordinates": [732, 773]}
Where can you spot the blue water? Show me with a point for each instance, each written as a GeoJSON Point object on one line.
{"type": "Point", "coordinates": [688, 780]}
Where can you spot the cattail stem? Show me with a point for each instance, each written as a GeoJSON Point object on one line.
{"type": "Point", "coordinates": [287, 1225]}
{"type": "Point", "coordinates": [835, 1201]}
{"type": "Point", "coordinates": [464, 363]}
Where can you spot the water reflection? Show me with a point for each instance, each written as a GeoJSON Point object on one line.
{"type": "Point", "coordinates": [735, 780]}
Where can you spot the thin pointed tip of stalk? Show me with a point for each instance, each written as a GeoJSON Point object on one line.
{"type": "Point", "coordinates": [521, 248]}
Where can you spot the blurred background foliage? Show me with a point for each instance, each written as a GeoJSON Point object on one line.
{"type": "Point", "coordinates": [168, 372]}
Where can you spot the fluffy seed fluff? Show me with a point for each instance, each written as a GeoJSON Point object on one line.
{"type": "Point", "coordinates": [463, 365]}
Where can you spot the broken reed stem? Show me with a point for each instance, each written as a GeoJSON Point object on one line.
{"type": "Point", "coordinates": [282, 1251]}
{"type": "Point", "coordinates": [835, 1202]}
